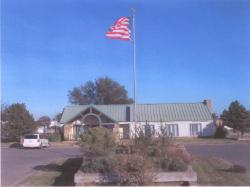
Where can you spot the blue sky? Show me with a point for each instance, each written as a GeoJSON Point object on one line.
{"type": "Point", "coordinates": [186, 50]}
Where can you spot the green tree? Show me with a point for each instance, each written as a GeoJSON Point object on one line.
{"type": "Point", "coordinates": [103, 91]}
{"type": "Point", "coordinates": [43, 121]}
{"type": "Point", "coordinates": [214, 116]}
{"type": "Point", "coordinates": [84, 94]}
{"type": "Point", "coordinates": [58, 117]}
{"type": "Point", "coordinates": [236, 117]}
{"type": "Point", "coordinates": [247, 122]}
{"type": "Point", "coordinates": [15, 122]}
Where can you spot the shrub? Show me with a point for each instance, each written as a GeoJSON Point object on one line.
{"type": "Point", "coordinates": [181, 152]}
{"type": "Point", "coordinates": [164, 164]}
{"type": "Point", "coordinates": [177, 164]}
{"type": "Point", "coordinates": [171, 164]}
{"type": "Point", "coordinates": [98, 140]}
{"type": "Point", "coordinates": [101, 165]}
{"type": "Point", "coordinates": [150, 146]}
{"type": "Point", "coordinates": [238, 169]}
{"type": "Point", "coordinates": [220, 132]}
{"type": "Point", "coordinates": [133, 170]}
{"type": "Point", "coordinates": [56, 137]}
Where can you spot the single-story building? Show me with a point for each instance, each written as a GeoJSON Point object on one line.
{"type": "Point", "coordinates": [180, 119]}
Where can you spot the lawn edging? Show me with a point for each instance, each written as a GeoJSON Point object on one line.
{"type": "Point", "coordinates": [189, 176]}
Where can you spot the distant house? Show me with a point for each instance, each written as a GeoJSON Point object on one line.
{"type": "Point", "coordinates": [180, 119]}
{"type": "Point", "coordinates": [218, 122]}
{"type": "Point", "coordinates": [41, 129]}
{"type": "Point", "coordinates": [50, 128]}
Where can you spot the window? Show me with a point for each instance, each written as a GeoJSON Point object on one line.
{"type": "Point", "coordinates": [124, 131]}
{"type": "Point", "coordinates": [195, 129]}
{"type": "Point", "coordinates": [79, 130]}
{"type": "Point", "coordinates": [173, 129]}
{"type": "Point", "coordinates": [121, 132]}
{"type": "Point", "coordinates": [149, 130]}
{"type": "Point", "coordinates": [91, 120]}
{"type": "Point", "coordinates": [30, 136]}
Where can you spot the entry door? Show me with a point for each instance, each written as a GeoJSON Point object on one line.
{"type": "Point", "coordinates": [195, 129]}
{"type": "Point", "coordinates": [79, 130]}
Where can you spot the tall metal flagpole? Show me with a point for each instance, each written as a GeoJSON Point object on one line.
{"type": "Point", "coordinates": [134, 65]}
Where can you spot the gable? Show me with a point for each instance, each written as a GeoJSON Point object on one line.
{"type": "Point", "coordinates": [71, 113]}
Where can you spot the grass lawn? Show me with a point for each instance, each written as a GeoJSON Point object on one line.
{"type": "Point", "coordinates": [195, 140]}
{"type": "Point", "coordinates": [57, 173]}
{"type": "Point", "coordinates": [214, 172]}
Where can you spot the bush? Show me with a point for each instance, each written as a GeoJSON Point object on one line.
{"type": "Point", "coordinates": [181, 152]}
{"type": "Point", "coordinates": [56, 137]}
{"type": "Point", "coordinates": [220, 132]}
{"type": "Point", "coordinates": [101, 165]}
{"type": "Point", "coordinates": [238, 169]}
{"type": "Point", "coordinates": [170, 164]}
{"type": "Point", "coordinates": [133, 170]}
{"type": "Point", "coordinates": [138, 161]}
{"type": "Point", "coordinates": [150, 146]}
{"type": "Point", "coordinates": [177, 164]}
{"type": "Point", "coordinates": [98, 141]}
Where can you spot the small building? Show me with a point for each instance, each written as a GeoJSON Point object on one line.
{"type": "Point", "coordinates": [218, 122]}
{"type": "Point", "coordinates": [180, 119]}
{"type": "Point", "coordinates": [41, 129]}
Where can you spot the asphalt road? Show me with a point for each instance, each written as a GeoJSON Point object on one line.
{"type": "Point", "coordinates": [17, 164]}
{"type": "Point", "coordinates": [235, 153]}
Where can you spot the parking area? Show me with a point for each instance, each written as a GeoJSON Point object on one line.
{"type": "Point", "coordinates": [17, 164]}
{"type": "Point", "coordinates": [235, 153]}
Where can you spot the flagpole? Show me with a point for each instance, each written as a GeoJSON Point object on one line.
{"type": "Point", "coordinates": [134, 65]}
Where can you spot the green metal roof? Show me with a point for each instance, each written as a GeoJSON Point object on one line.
{"type": "Point", "coordinates": [145, 112]}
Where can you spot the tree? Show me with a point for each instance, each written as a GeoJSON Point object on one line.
{"type": "Point", "coordinates": [236, 117]}
{"type": "Point", "coordinates": [247, 122]}
{"type": "Point", "coordinates": [103, 91]}
{"type": "Point", "coordinates": [58, 117]}
{"type": "Point", "coordinates": [43, 121]}
{"type": "Point", "coordinates": [16, 121]}
{"type": "Point", "coordinates": [84, 94]}
{"type": "Point", "coordinates": [214, 116]}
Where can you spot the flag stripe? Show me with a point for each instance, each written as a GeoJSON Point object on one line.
{"type": "Point", "coordinates": [120, 30]}
{"type": "Point", "coordinates": [117, 35]}
{"type": "Point", "coordinates": [119, 38]}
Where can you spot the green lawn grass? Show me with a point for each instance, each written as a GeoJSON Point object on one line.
{"type": "Point", "coordinates": [57, 173]}
{"type": "Point", "coordinates": [196, 140]}
{"type": "Point", "coordinates": [214, 172]}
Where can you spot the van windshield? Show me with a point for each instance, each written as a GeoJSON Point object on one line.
{"type": "Point", "coordinates": [30, 136]}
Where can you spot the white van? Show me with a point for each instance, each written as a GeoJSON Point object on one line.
{"type": "Point", "coordinates": [35, 140]}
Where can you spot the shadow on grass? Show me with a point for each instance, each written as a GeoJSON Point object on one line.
{"type": "Point", "coordinates": [16, 145]}
{"type": "Point", "coordinates": [234, 169]}
{"type": "Point", "coordinates": [67, 169]}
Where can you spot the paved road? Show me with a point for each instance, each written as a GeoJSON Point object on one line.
{"type": "Point", "coordinates": [235, 153]}
{"type": "Point", "coordinates": [17, 164]}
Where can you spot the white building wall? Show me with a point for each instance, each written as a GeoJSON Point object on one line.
{"type": "Point", "coordinates": [207, 127]}
{"type": "Point", "coordinates": [41, 129]}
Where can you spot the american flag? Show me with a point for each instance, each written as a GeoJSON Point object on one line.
{"type": "Point", "coordinates": [120, 30]}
